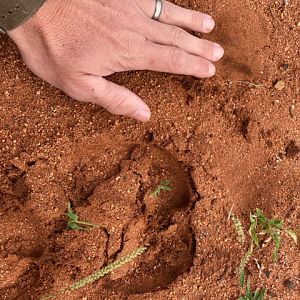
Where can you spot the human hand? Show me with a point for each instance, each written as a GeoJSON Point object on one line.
{"type": "Point", "coordinates": [72, 44]}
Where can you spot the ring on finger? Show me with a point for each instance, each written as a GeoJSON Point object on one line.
{"type": "Point", "coordinates": [158, 10]}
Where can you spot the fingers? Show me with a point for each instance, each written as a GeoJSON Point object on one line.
{"type": "Point", "coordinates": [186, 18]}
{"type": "Point", "coordinates": [174, 36]}
{"type": "Point", "coordinates": [181, 17]}
{"type": "Point", "coordinates": [174, 60]}
{"type": "Point", "coordinates": [114, 98]}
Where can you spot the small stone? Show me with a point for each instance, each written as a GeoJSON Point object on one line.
{"type": "Point", "coordinates": [291, 149]}
{"type": "Point", "coordinates": [285, 66]}
{"type": "Point", "coordinates": [267, 273]}
{"type": "Point", "coordinates": [292, 110]}
{"type": "Point", "coordinates": [289, 284]}
{"type": "Point", "coordinates": [279, 85]}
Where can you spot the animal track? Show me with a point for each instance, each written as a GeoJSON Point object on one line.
{"type": "Point", "coordinates": [110, 184]}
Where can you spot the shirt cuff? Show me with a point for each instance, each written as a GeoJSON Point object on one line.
{"type": "Point", "coordinates": [15, 12]}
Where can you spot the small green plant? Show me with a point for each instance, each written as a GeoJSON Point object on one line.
{"type": "Point", "coordinates": [74, 223]}
{"type": "Point", "coordinates": [101, 273]}
{"type": "Point", "coordinates": [260, 225]}
{"type": "Point", "coordinates": [239, 229]}
{"type": "Point", "coordinates": [163, 186]}
{"type": "Point", "coordinates": [244, 261]}
{"type": "Point", "coordinates": [106, 270]}
{"type": "Point", "coordinates": [259, 294]}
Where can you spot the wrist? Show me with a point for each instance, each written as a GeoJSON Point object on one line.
{"type": "Point", "coordinates": [40, 39]}
{"type": "Point", "coordinates": [38, 27]}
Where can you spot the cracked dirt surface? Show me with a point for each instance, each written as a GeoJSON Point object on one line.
{"type": "Point", "coordinates": [230, 142]}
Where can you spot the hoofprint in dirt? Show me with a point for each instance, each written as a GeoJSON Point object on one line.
{"type": "Point", "coordinates": [227, 144]}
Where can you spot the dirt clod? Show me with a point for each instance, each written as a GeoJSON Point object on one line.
{"type": "Point", "coordinates": [279, 85]}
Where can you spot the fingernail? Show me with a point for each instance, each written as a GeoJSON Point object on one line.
{"type": "Point", "coordinates": [218, 52]}
{"type": "Point", "coordinates": [209, 24]}
{"type": "Point", "coordinates": [142, 115]}
{"type": "Point", "coordinates": [211, 69]}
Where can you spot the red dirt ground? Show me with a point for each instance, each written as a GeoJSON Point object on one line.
{"type": "Point", "coordinates": [230, 142]}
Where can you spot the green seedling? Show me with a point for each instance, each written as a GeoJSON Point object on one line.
{"type": "Point", "coordinates": [259, 294]}
{"type": "Point", "coordinates": [74, 223]}
{"type": "Point", "coordinates": [271, 228]}
{"type": "Point", "coordinates": [239, 229]}
{"type": "Point", "coordinates": [241, 238]}
{"type": "Point", "coordinates": [106, 270]}
{"type": "Point", "coordinates": [99, 274]}
{"type": "Point", "coordinates": [244, 261]}
{"type": "Point", "coordinates": [261, 226]}
{"type": "Point", "coordinates": [163, 186]}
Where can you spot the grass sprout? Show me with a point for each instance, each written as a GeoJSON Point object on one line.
{"type": "Point", "coordinates": [239, 229]}
{"type": "Point", "coordinates": [106, 270]}
{"type": "Point", "coordinates": [271, 228]}
{"type": "Point", "coordinates": [260, 225]}
{"type": "Point", "coordinates": [163, 186]}
{"type": "Point", "coordinates": [244, 261]}
{"type": "Point", "coordinates": [74, 223]}
{"type": "Point", "coordinates": [251, 83]}
{"type": "Point", "coordinates": [101, 273]}
{"type": "Point", "coordinates": [258, 294]}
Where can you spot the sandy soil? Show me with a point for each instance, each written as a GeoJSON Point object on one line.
{"type": "Point", "coordinates": [227, 143]}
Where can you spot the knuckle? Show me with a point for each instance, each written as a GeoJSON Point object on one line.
{"type": "Point", "coordinates": [166, 14]}
{"type": "Point", "coordinates": [137, 56]}
{"type": "Point", "coordinates": [202, 48]}
{"type": "Point", "coordinates": [148, 62]}
{"type": "Point", "coordinates": [177, 59]}
{"type": "Point", "coordinates": [76, 89]}
{"type": "Point", "coordinates": [178, 36]}
{"type": "Point", "coordinates": [114, 103]}
{"type": "Point", "coordinates": [131, 55]}
{"type": "Point", "coordinates": [195, 19]}
{"type": "Point", "coordinates": [129, 42]}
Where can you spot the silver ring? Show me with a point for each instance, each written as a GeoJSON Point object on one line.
{"type": "Point", "coordinates": [158, 10]}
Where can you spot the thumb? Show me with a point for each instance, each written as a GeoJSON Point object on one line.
{"type": "Point", "coordinates": [116, 99]}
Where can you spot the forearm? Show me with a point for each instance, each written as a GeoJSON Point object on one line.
{"type": "Point", "coordinates": [15, 12]}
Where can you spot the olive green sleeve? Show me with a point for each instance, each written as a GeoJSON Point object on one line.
{"type": "Point", "coordinates": [15, 12]}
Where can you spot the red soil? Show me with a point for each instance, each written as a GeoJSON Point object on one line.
{"type": "Point", "coordinates": [230, 142]}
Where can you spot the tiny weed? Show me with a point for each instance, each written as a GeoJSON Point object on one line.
{"type": "Point", "coordinates": [260, 225]}
{"type": "Point", "coordinates": [74, 223]}
{"type": "Point", "coordinates": [163, 186]}
{"type": "Point", "coordinates": [108, 269]}
{"type": "Point", "coordinates": [101, 273]}
{"type": "Point", "coordinates": [251, 83]}
{"type": "Point", "coordinates": [244, 261]}
{"type": "Point", "coordinates": [239, 229]}
{"type": "Point", "coordinates": [259, 294]}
